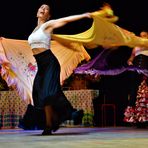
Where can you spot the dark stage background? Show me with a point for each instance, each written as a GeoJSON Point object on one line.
{"type": "Point", "coordinates": [18, 18]}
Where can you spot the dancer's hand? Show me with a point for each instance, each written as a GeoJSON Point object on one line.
{"type": "Point", "coordinates": [88, 15]}
{"type": "Point", "coordinates": [129, 62]}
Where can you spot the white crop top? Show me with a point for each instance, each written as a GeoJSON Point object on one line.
{"type": "Point", "coordinates": [39, 38]}
{"type": "Point", "coordinates": [141, 50]}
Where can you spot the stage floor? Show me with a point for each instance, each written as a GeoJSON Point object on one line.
{"type": "Point", "coordinates": [119, 137]}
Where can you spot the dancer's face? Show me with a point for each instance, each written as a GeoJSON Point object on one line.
{"type": "Point", "coordinates": [144, 34]}
{"type": "Point", "coordinates": [44, 12]}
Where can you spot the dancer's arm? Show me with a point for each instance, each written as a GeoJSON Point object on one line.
{"type": "Point", "coordinates": [131, 58]}
{"type": "Point", "coordinates": [57, 23]}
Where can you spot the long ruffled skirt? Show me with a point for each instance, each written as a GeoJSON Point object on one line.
{"type": "Point", "coordinates": [47, 88]}
{"type": "Point", "coordinates": [46, 91]}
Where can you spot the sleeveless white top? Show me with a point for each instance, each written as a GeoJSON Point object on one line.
{"type": "Point", "coordinates": [141, 50]}
{"type": "Point", "coordinates": [39, 39]}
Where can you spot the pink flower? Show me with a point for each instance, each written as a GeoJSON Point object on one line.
{"type": "Point", "coordinates": [31, 67]}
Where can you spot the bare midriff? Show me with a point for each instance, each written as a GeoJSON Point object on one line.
{"type": "Point", "coordinates": [38, 50]}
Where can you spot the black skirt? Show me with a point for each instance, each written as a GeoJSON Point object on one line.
{"type": "Point", "coordinates": [141, 61]}
{"type": "Point", "coordinates": [47, 89]}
